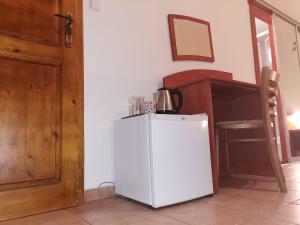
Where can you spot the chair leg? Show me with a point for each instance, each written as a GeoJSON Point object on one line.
{"type": "Point", "coordinates": [226, 153]}
{"type": "Point", "coordinates": [281, 183]}
{"type": "Point", "coordinates": [276, 164]}
{"type": "Point", "coordinates": [280, 177]}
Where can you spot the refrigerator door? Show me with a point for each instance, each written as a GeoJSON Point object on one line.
{"type": "Point", "coordinates": [180, 159]}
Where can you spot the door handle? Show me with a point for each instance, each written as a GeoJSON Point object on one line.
{"type": "Point", "coordinates": [68, 27]}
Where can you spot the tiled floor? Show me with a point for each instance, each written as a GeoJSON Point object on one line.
{"type": "Point", "coordinates": [239, 202]}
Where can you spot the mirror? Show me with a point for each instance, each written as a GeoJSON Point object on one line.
{"type": "Point", "coordinates": [190, 39]}
{"type": "Point", "coordinates": [263, 43]}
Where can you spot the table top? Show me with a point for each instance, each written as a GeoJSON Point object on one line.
{"type": "Point", "coordinates": [229, 88]}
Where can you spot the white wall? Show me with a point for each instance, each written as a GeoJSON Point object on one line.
{"type": "Point", "coordinates": [288, 64]}
{"type": "Point", "coordinates": [127, 52]}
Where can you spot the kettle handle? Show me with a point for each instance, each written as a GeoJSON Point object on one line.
{"type": "Point", "coordinates": [173, 92]}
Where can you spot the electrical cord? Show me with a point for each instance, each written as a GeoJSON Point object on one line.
{"type": "Point", "coordinates": [100, 192]}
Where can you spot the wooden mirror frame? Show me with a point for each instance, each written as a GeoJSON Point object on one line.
{"type": "Point", "coordinates": [176, 56]}
{"type": "Point", "coordinates": [265, 15]}
{"type": "Point", "coordinates": [259, 11]}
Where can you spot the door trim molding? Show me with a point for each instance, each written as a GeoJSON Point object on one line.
{"type": "Point", "coordinates": [78, 31]}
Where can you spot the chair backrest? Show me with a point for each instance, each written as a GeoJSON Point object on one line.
{"type": "Point", "coordinates": [269, 91]}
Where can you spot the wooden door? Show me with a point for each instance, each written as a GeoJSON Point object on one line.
{"type": "Point", "coordinates": [41, 92]}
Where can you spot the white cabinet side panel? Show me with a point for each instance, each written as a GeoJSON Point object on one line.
{"type": "Point", "coordinates": [132, 163]}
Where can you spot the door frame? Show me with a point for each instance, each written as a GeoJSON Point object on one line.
{"type": "Point", "coordinates": [259, 11]}
{"type": "Point", "coordinates": [78, 47]}
{"type": "Point", "coordinates": [80, 85]}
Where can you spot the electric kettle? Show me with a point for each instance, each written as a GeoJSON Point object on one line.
{"type": "Point", "coordinates": [165, 102]}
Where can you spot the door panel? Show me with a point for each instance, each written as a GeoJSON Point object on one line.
{"type": "Point", "coordinates": [35, 21]}
{"type": "Point", "coordinates": [41, 100]}
{"type": "Point", "coordinates": [30, 126]}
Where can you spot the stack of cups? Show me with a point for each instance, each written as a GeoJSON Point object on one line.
{"type": "Point", "coordinates": [149, 107]}
{"type": "Point", "coordinates": [136, 105]}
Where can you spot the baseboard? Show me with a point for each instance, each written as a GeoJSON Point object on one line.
{"type": "Point", "coordinates": [98, 193]}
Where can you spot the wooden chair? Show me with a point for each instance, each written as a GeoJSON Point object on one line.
{"type": "Point", "coordinates": [269, 85]}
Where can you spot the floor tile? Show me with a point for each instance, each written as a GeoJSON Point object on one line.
{"type": "Point", "coordinates": [244, 204]}
{"type": "Point", "coordinates": [294, 186]}
{"type": "Point", "coordinates": [183, 207]}
{"type": "Point", "coordinates": [239, 202]}
{"type": "Point", "coordinates": [60, 217]}
{"type": "Point", "coordinates": [297, 202]}
{"type": "Point", "coordinates": [262, 221]}
{"type": "Point", "coordinates": [288, 213]}
{"type": "Point", "coordinates": [123, 213]}
{"type": "Point", "coordinates": [210, 215]}
{"type": "Point", "coordinates": [296, 179]}
{"type": "Point", "coordinates": [98, 204]}
{"type": "Point", "coordinates": [278, 197]}
{"type": "Point", "coordinates": [160, 220]}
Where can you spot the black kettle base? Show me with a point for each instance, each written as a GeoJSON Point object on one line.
{"type": "Point", "coordinates": [166, 112]}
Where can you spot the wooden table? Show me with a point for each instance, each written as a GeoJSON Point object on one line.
{"type": "Point", "coordinates": [223, 99]}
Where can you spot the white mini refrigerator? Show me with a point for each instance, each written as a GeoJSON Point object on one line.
{"type": "Point", "coordinates": [163, 159]}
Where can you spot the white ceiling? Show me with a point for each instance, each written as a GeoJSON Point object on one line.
{"type": "Point", "coordinates": [288, 7]}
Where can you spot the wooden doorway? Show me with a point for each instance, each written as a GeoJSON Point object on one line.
{"type": "Point", "coordinates": [41, 107]}
{"type": "Point", "coordinates": [262, 27]}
